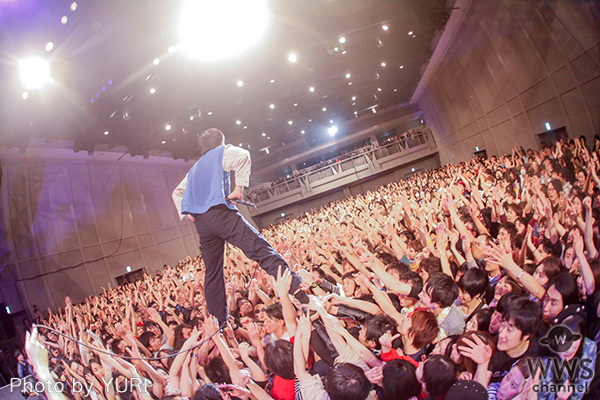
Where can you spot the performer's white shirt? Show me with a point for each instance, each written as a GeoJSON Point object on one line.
{"type": "Point", "coordinates": [234, 159]}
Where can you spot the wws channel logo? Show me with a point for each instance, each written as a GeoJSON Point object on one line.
{"type": "Point", "coordinates": [570, 368]}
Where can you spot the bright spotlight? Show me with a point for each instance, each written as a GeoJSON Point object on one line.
{"type": "Point", "coordinates": [333, 130]}
{"type": "Point", "coordinates": [49, 46]}
{"type": "Point", "coordinates": [342, 40]}
{"type": "Point", "coordinates": [35, 72]}
{"type": "Point", "coordinates": [293, 57]}
{"type": "Point", "coordinates": [168, 127]}
{"type": "Point", "coordinates": [385, 27]}
{"type": "Point", "coordinates": [215, 30]}
{"type": "Point", "coordinates": [25, 95]}
{"type": "Point", "coordinates": [240, 83]}
{"type": "Point", "coordinates": [156, 61]}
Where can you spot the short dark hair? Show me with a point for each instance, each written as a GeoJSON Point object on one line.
{"type": "Point", "coordinates": [474, 281]}
{"type": "Point", "coordinates": [439, 374]}
{"type": "Point", "coordinates": [279, 358]}
{"type": "Point", "coordinates": [510, 228]}
{"type": "Point", "coordinates": [347, 381]}
{"type": "Point", "coordinates": [424, 328]}
{"type": "Point", "coordinates": [431, 265]}
{"type": "Point", "coordinates": [400, 381]}
{"type": "Point", "coordinates": [442, 289]}
{"type": "Point", "coordinates": [207, 392]}
{"type": "Point", "coordinates": [275, 311]}
{"type": "Point", "coordinates": [378, 325]}
{"type": "Point", "coordinates": [145, 338]}
{"type": "Point", "coordinates": [525, 315]}
{"type": "Point", "coordinates": [217, 370]}
{"type": "Point", "coordinates": [413, 279]}
{"type": "Point", "coordinates": [398, 267]}
{"type": "Point", "coordinates": [209, 139]}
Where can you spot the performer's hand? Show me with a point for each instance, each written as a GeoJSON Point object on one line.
{"type": "Point", "coordinates": [235, 195]}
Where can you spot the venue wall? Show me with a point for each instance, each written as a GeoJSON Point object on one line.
{"type": "Point", "coordinates": [57, 212]}
{"type": "Point", "coordinates": [510, 67]}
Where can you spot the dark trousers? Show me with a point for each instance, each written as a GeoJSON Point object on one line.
{"type": "Point", "coordinates": [217, 226]}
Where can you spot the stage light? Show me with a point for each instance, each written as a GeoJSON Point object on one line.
{"type": "Point", "coordinates": [240, 83]}
{"type": "Point", "coordinates": [172, 49]}
{"type": "Point", "coordinates": [349, 83]}
{"type": "Point", "coordinates": [353, 98]}
{"type": "Point", "coordinates": [283, 214]}
{"type": "Point", "coordinates": [324, 109]}
{"type": "Point", "coordinates": [106, 133]}
{"type": "Point", "coordinates": [303, 132]}
{"type": "Point", "coordinates": [312, 89]}
{"type": "Point", "coordinates": [73, 6]}
{"type": "Point", "coordinates": [168, 127]}
{"type": "Point", "coordinates": [548, 128]}
{"type": "Point", "coordinates": [293, 57]}
{"type": "Point", "coordinates": [342, 40]}
{"type": "Point", "coordinates": [209, 113]}
{"type": "Point", "coordinates": [333, 130]}
{"type": "Point", "coordinates": [64, 20]}
{"type": "Point", "coordinates": [152, 90]}
{"type": "Point", "coordinates": [348, 75]}
{"type": "Point", "coordinates": [385, 27]}
{"type": "Point", "coordinates": [272, 106]}
{"type": "Point", "coordinates": [128, 269]}
{"type": "Point", "coordinates": [26, 96]}
{"type": "Point", "coordinates": [272, 81]}
{"type": "Point", "coordinates": [290, 122]}
{"type": "Point", "coordinates": [410, 33]}
{"type": "Point", "coordinates": [164, 142]}
{"type": "Point", "coordinates": [383, 64]}
{"type": "Point", "coordinates": [49, 46]}
{"type": "Point", "coordinates": [156, 61]}
{"type": "Point", "coordinates": [216, 30]}
{"type": "Point", "coordinates": [35, 72]}
{"type": "Point", "coordinates": [263, 134]}
{"type": "Point", "coordinates": [402, 66]}
{"type": "Point", "coordinates": [238, 122]}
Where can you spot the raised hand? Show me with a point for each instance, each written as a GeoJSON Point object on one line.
{"type": "Point", "coordinates": [375, 376]}
{"type": "Point", "coordinates": [476, 350]}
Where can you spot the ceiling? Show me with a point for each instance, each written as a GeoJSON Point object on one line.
{"type": "Point", "coordinates": [107, 89]}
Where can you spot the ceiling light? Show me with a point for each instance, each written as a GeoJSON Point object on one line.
{"type": "Point", "coordinates": [292, 57]}
{"type": "Point", "coordinates": [164, 142]}
{"type": "Point", "coordinates": [240, 83]}
{"type": "Point", "coordinates": [238, 122]}
{"type": "Point", "coordinates": [355, 112]}
{"type": "Point", "coordinates": [215, 30]}
{"type": "Point", "coordinates": [73, 6]}
{"type": "Point", "coordinates": [209, 113]}
{"type": "Point", "coordinates": [156, 61]}
{"type": "Point", "coordinates": [35, 72]}
{"type": "Point", "coordinates": [26, 96]}
{"type": "Point", "coordinates": [240, 145]}
{"type": "Point", "coordinates": [353, 104]}
{"type": "Point", "coordinates": [395, 90]}
{"type": "Point", "coordinates": [348, 75]}
{"type": "Point", "coordinates": [302, 132]}
{"type": "Point", "coordinates": [385, 27]}
{"type": "Point", "coordinates": [312, 89]}
{"type": "Point", "coordinates": [106, 133]}
{"type": "Point", "coordinates": [402, 66]}
{"type": "Point", "coordinates": [310, 120]}
{"type": "Point", "coordinates": [374, 110]}
{"type": "Point", "coordinates": [152, 90]}
{"type": "Point", "coordinates": [168, 127]}
{"type": "Point", "coordinates": [414, 36]}
{"type": "Point", "coordinates": [344, 52]}
{"type": "Point", "coordinates": [64, 20]}
{"type": "Point", "coordinates": [342, 40]}
{"type": "Point", "coordinates": [290, 122]}
{"type": "Point", "coordinates": [333, 130]}
{"type": "Point", "coordinates": [383, 64]}
{"type": "Point", "coordinates": [171, 49]}
{"type": "Point", "coordinates": [245, 126]}
{"type": "Point", "coordinates": [410, 33]}
{"type": "Point", "coordinates": [272, 106]}
{"type": "Point", "coordinates": [353, 97]}
{"type": "Point", "coordinates": [49, 46]}
{"type": "Point", "coordinates": [331, 121]}
{"type": "Point", "coordinates": [379, 89]}
{"type": "Point", "coordinates": [272, 81]}
{"type": "Point", "coordinates": [263, 134]}
{"type": "Point", "coordinates": [349, 83]}
{"type": "Point", "coordinates": [295, 104]}
{"type": "Point", "coordinates": [268, 137]}
{"type": "Point", "coordinates": [324, 109]}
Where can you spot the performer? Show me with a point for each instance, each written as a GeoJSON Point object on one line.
{"type": "Point", "coordinates": [204, 197]}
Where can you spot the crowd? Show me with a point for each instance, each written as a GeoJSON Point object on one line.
{"type": "Point", "coordinates": [472, 281]}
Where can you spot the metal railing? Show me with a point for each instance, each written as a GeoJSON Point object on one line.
{"type": "Point", "coordinates": [309, 177]}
